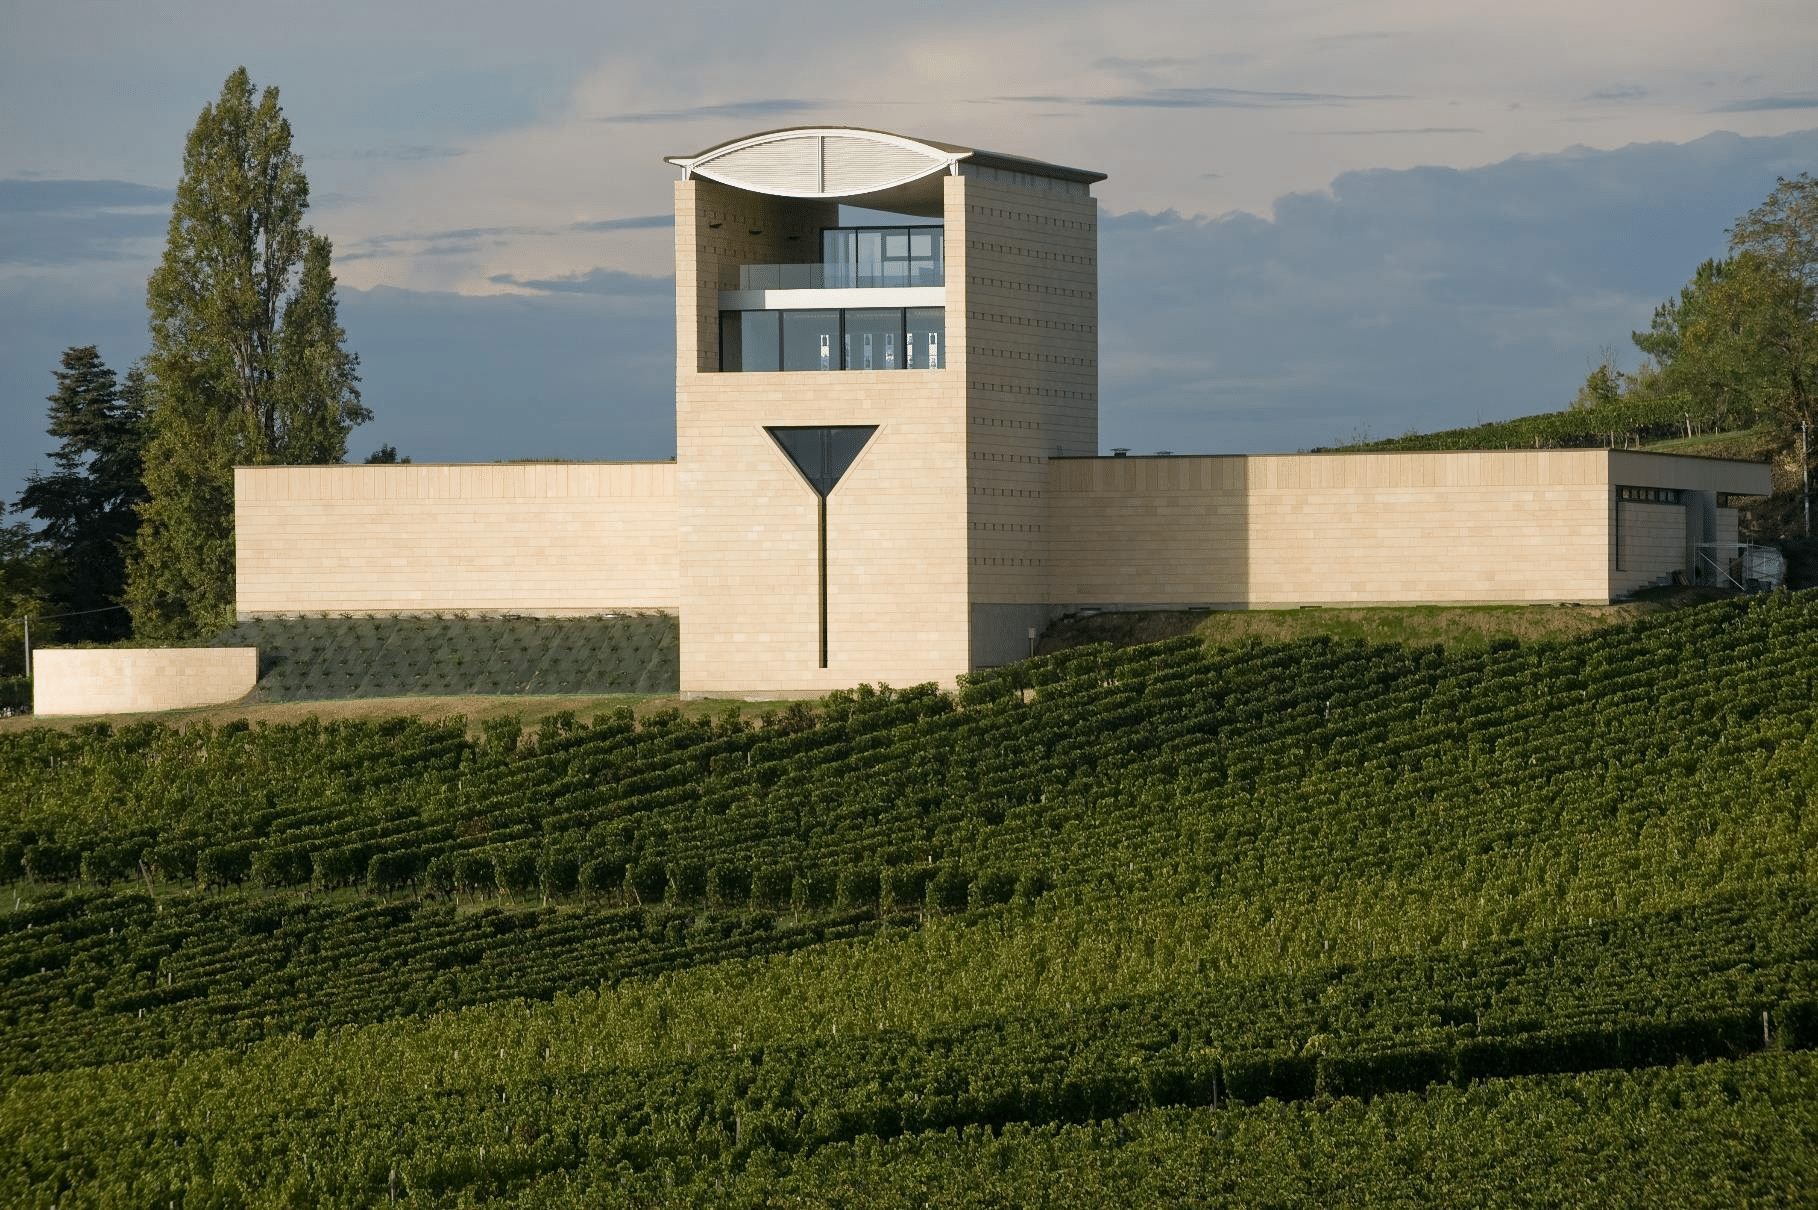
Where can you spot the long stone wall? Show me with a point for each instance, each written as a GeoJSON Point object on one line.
{"type": "Point", "coordinates": [1317, 529]}
{"type": "Point", "coordinates": [548, 539]}
{"type": "Point", "coordinates": [132, 680]}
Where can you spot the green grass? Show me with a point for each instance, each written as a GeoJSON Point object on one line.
{"type": "Point", "coordinates": [1751, 445]}
{"type": "Point", "coordinates": [1460, 627]}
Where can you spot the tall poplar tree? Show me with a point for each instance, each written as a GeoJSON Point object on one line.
{"type": "Point", "coordinates": [247, 364]}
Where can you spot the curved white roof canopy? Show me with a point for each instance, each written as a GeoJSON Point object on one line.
{"type": "Point", "coordinates": [845, 163]}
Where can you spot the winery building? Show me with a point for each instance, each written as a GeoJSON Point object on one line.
{"type": "Point", "coordinates": [888, 464]}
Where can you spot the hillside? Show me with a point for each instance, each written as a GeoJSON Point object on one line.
{"type": "Point", "coordinates": [1282, 923]}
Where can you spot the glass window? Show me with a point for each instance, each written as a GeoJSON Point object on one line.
{"type": "Point", "coordinates": [750, 340]}
{"type": "Point", "coordinates": [823, 454]}
{"type": "Point", "coordinates": [868, 265]}
{"type": "Point", "coordinates": [926, 266]}
{"type": "Point", "coordinates": [811, 340]}
{"type": "Point", "coordinates": [874, 339]}
{"type": "Point", "coordinates": [926, 338]}
{"type": "Point", "coordinates": [839, 253]}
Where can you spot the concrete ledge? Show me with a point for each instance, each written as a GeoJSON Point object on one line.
{"type": "Point", "coordinates": [133, 680]}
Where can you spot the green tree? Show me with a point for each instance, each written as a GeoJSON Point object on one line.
{"type": "Point", "coordinates": [1775, 310]}
{"type": "Point", "coordinates": [1740, 342]}
{"type": "Point", "coordinates": [26, 571]}
{"type": "Point", "coordinates": [247, 363]}
{"type": "Point", "coordinates": [87, 507]}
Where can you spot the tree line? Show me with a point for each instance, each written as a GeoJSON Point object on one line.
{"type": "Point", "coordinates": [132, 525]}
{"type": "Point", "coordinates": [1736, 349]}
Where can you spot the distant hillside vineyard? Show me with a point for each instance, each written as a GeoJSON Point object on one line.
{"type": "Point", "coordinates": [1277, 924]}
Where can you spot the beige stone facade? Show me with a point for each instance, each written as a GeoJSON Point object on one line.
{"type": "Point", "coordinates": [977, 508]}
{"type": "Point", "coordinates": [133, 680]}
{"type": "Point", "coordinates": [1264, 531]}
{"type": "Point", "coordinates": [542, 538]}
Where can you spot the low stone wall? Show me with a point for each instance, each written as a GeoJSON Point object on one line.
{"type": "Point", "coordinates": [133, 680]}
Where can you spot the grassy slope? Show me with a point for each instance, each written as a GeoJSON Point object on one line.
{"type": "Point", "coordinates": [1464, 627]}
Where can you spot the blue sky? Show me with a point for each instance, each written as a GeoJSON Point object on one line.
{"type": "Point", "coordinates": [1320, 220]}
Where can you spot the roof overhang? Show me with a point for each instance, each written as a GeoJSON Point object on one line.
{"type": "Point", "coordinates": [848, 163]}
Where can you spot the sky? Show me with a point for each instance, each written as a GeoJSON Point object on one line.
{"type": "Point", "coordinates": [1322, 220]}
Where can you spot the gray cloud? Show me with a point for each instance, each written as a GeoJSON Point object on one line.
{"type": "Point", "coordinates": [1121, 63]}
{"type": "Point", "coordinates": [451, 242]}
{"type": "Point", "coordinates": [636, 222]}
{"type": "Point", "coordinates": [1410, 130]}
{"type": "Point", "coordinates": [1207, 98]}
{"type": "Point", "coordinates": [1618, 92]}
{"type": "Point", "coordinates": [459, 240]}
{"type": "Point", "coordinates": [1408, 299]}
{"type": "Point", "coordinates": [1393, 300]}
{"type": "Point", "coordinates": [1352, 39]}
{"type": "Point", "coordinates": [608, 282]}
{"type": "Point", "coordinates": [409, 152]}
{"type": "Point", "coordinates": [36, 195]}
{"type": "Point", "coordinates": [1763, 104]}
{"type": "Point", "coordinates": [65, 222]}
{"type": "Point", "coordinates": [731, 109]}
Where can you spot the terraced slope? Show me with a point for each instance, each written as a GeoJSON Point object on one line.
{"type": "Point", "coordinates": [1320, 922]}
{"type": "Point", "coordinates": [313, 659]}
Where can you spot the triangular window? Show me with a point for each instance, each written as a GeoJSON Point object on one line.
{"type": "Point", "coordinates": [823, 453]}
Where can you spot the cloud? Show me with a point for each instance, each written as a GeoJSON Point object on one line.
{"type": "Point", "coordinates": [450, 377]}
{"type": "Point", "coordinates": [1617, 92]}
{"type": "Point", "coordinates": [66, 222]}
{"type": "Point", "coordinates": [461, 241]}
{"type": "Point", "coordinates": [32, 195]}
{"type": "Point", "coordinates": [452, 241]}
{"type": "Point", "coordinates": [1764, 104]}
{"type": "Point", "coordinates": [1206, 98]}
{"type": "Point", "coordinates": [405, 153]}
{"type": "Point", "coordinates": [766, 107]}
{"type": "Point", "coordinates": [1121, 63]}
{"type": "Point", "coordinates": [1410, 130]}
{"type": "Point", "coordinates": [635, 222]}
{"type": "Point", "coordinates": [609, 282]}
{"type": "Point", "coordinates": [1392, 300]}
{"type": "Point", "coordinates": [1419, 298]}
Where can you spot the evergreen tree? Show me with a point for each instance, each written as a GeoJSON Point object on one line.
{"type": "Point", "coordinates": [246, 365]}
{"type": "Point", "coordinates": [87, 507]}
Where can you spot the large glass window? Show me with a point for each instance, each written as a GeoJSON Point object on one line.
{"type": "Point", "coordinates": [883, 256]}
{"type": "Point", "coordinates": [865, 338]}
{"type": "Point", "coordinates": [751, 340]}
{"type": "Point", "coordinates": [874, 339]}
{"type": "Point", "coordinates": [811, 340]}
{"type": "Point", "coordinates": [926, 338]}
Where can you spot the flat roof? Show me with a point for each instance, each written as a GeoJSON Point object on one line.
{"type": "Point", "coordinates": [1503, 449]}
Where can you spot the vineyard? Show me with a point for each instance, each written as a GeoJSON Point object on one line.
{"type": "Point", "coordinates": [316, 659]}
{"type": "Point", "coordinates": [1320, 921]}
{"type": "Point", "coordinates": [1621, 423]}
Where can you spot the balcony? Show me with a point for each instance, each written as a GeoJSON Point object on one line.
{"type": "Point", "coordinates": [847, 276]}
{"type": "Point", "coordinates": [909, 262]}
